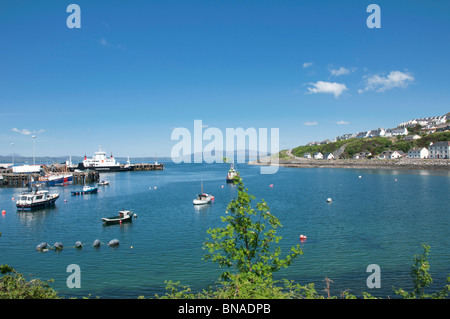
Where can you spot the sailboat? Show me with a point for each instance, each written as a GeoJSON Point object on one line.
{"type": "Point", "coordinates": [203, 198]}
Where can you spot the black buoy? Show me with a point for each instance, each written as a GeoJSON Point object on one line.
{"type": "Point", "coordinates": [41, 246]}
{"type": "Point", "coordinates": [96, 243]}
{"type": "Point", "coordinates": [58, 245]}
{"type": "Point", "coordinates": [114, 242]}
{"type": "Point", "coordinates": [78, 244]}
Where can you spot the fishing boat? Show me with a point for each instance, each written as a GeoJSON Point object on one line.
{"type": "Point", "coordinates": [103, 183]}
{"type": "Point", "coordinates": [56, 179]}
{"type": "Point", "coordinates": [86, 190]}
{"type": "Point", "coordinates": [203, 198]}
{"type": "Point", "coordinates": [232, 173]}
{"type": "Point", "coordinates": [124, 216]}
{"type": "Point", "coordinates": [36, 199]}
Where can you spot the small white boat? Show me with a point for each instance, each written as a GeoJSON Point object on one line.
{"type": "Point", "coordinates": [124, 216]}
{"type": "Point", "coordinates": [203, 198]}
{"type": "Point", "coordinates": [86, 190]}
{"type": "Point", "coordinates": [103, 183]}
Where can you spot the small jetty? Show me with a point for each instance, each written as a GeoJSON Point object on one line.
{"type": "Point", "coordinates": [148, 167]}
{"type": "Point", "coordinates": [10, 179]}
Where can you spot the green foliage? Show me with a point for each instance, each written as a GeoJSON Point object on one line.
{"type": "Point", "coordinates": [244, 244]}
{"type": "Point", "coordinates": [326, 148]}
{"type": "Point", "coordinates": [13, 285]}
{"type": "Point", "coordinates": [374, 145]}
{"type": "Point", "coordinates": [283, 156]}
{"type": "Point", "coordinates": [435, 137]}
{"type": "Point", "coordinates": [422, 279]}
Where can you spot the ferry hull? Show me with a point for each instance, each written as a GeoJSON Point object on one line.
{"type": "Point", "coordinates": [104, 168]}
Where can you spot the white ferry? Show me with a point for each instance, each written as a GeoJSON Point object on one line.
{"type": "Point", "coordinates": [100, 162]}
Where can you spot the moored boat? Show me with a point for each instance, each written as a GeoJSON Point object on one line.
{"type": "Point", "coordinates": [103, 183]}
{"type": "Point", "coordinates": [203, 199]}
{"type": "Point", "coordinates": [124, 216]}
{"type": "Point", "coordinates": [232, 173]}
{"type": "Point", "coordinates": [86, 190]}
{"type": "Point", "coordinates": [100, 162]}
{"type": "Point", "coordinates": [56, 179]}
{"type": "Point", "coordinates": [36, 199]}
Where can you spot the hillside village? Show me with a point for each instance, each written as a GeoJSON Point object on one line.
{"type": "Point", "coordinates": [419, 138]}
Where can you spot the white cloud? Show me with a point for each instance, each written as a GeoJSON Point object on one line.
{"type": "Point", "coordinates": [340, 71]}
{"type": "Point", "coordinates": [395, 79]}
{"type": "Point", "coordinates": [342, 122]}
{"type": "Point", "coordinates": [104, 42]}
{"type": "Point", "coordinates": [310, 123]}
{"type": "Point", "coordinates": [327, 87]}
{"type": "Point", "coordinates": [26, 131]}
{"type": "Point", "coordinates": [307, 64]}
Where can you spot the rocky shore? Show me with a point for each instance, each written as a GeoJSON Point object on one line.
{"type": "Point", "coordinates": [403, 163]}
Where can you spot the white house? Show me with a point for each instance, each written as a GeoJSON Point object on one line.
{"type": "Point", "coordinates": [318, 155]}
{"type": "Point", "coordinates": [418, 152]}
{"type": "Point", "coordinates": [391, 155]}
{"type": "Point", "coordinates": [362, 155]}
{"type": "Point", "coordinates": [396, 131]}
{"type": "Point", "coordinates": [411, 137]}
{"type": "Point", "coordinates": [307, 155]}
{"type": "Point", "coordinates": [440, 150]}
{"type": "Point", "coordinates": [376, 133]}
{"type": "Point", "coordinates": [328, 156]}
{"type": "Point", "coordinates": [361, 134]}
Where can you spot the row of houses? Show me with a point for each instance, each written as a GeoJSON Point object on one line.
{"type": "Point", "coordinates": [435, 150]}
{"type": "Point", "coordinates": [426, 121]}
{"type": "Point", "coordinates": [428, 125]}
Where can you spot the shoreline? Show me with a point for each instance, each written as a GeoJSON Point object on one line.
{"type": "Point", "coordinates": [403, 163]}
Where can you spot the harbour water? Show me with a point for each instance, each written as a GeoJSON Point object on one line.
{"type": "Point", "coordinates": [382, 217]}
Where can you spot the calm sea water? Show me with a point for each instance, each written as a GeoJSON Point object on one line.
{"type": "Point", "coordinates": [381, 218]}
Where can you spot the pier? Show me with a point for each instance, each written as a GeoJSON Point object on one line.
{"type": "Point", "coordinates": [148, 167]}
{"type": "Point", "coordinates": [9, 179]}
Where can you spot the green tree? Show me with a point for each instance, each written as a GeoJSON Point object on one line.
{"type": "Point", "coordinates": [244, 245]}
{"type": "Point", "coordinates": [422, 279]}
{"type": "Point", "coordinates": [13, 285]}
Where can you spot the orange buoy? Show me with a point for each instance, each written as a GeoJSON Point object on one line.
{"type": "Point", "coordinates": [302, 237]}
{"type": "Point", "coordinates": [271, 185]}
{"type": "Point", "coordinates": [3, 212]}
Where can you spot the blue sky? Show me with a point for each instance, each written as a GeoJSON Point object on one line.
{"type": "Point", "coordinates": [135, 70]}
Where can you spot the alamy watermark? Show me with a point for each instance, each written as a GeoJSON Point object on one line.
{"type": "Point", "coordinates": [74, 279]}
{"type": "Point", "coordinates": [374, 280]}
{"type": "Point", "coordinates": [236, 144]}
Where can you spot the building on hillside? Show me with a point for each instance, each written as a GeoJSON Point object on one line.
{"type": "Point", "coordinates": [345, 137]}
{"type": "Point", "coordinates": [418, 152]}
{"type": "Point", "coordinates": [391, 155]}
{"type": "Point", "coordinates": [439, 149]}
{"type": "Point", "coordinates": [396, 131]}
{"type": "Point", "coordinates": [362, 155]}
{"type": "Point", "coordinates": [432, 120]}
{"type": "Point", "coordinates": [318, 155]}
{"type": "Point", "coordinates": [443, 127]}
{"type": "Point", "coordinates": [377, 133]}
{"type": "Point", "coordinates": [307, 155]}
{"type": "Point", "coordinates": [411, 137]}
{"type": "Point", "coordinates": [328, 156]}
{"type": "Point", "coordinates": [361, 134]}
